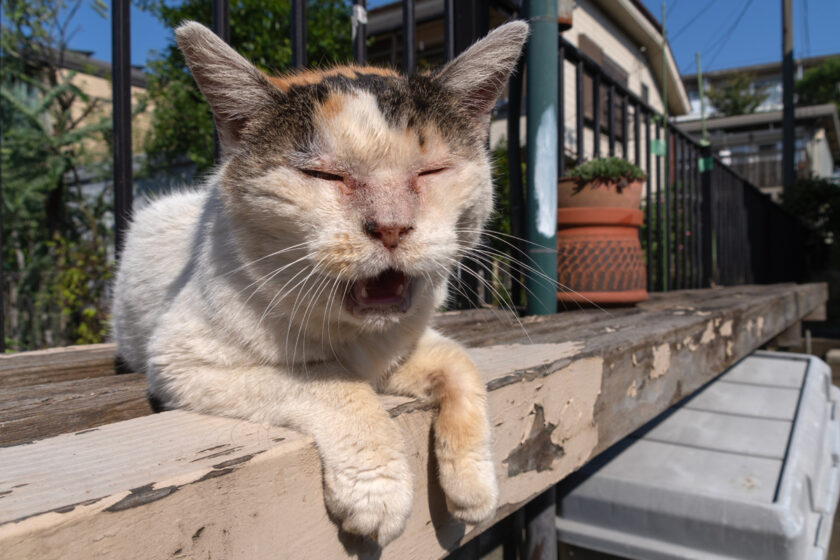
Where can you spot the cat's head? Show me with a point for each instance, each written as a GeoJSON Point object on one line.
{"type": "Point", "coordinates": [383, 179]}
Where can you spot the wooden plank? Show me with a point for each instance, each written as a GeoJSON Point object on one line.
{"type": "Point", "coordinates": [35, 411]}
{"type": "Point", "coordinates": [152, 487]}
{"type": "Point", "coordinates": [56, 364]}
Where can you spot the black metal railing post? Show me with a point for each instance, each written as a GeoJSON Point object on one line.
{"type": "Point", "coordinates": [359, 22]}
{"type": "Point", "coordinates": [409, 37]}
{"type": "Point", "coordinates": [707, 244]}
{"type": "Point", "coordinates": [121, 99]}
{"type": "Point", "coordinates": [298, 25]}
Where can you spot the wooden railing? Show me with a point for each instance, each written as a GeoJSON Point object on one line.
{"type": "Point", "coordinates": [562, 388]}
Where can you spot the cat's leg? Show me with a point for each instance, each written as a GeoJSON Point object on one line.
{"type": "Point", "coordinates": [368, 483]}
{"type": "Point", "coordinates": [440, 370]}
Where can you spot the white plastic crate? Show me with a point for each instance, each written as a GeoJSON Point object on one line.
{"type": "Point", "coordinates": [747, 468]}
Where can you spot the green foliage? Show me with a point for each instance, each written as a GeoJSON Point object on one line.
{"type": "Point", "coordinates": [816, 201]}
{"type": "Point", "coordinates": [54, 235]}
{"type": "Point", "coordinates": [820, 84]}
{"type": "Point", "coordinates": [182, 124]}
{"type": "Point", "coordinates": [603, 170]}
{"type": "Point", "coordinates": [737, 96]}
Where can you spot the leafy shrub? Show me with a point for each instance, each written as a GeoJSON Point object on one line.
{"type": "Point", "coordinates": [607, 170]}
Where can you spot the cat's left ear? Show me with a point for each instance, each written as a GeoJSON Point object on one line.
{"type": "Point", "coordinates": [236, 90]}
{"type": "Point", "coordinates": [479, 74]}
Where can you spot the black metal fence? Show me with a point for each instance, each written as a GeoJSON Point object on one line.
{"type": "Point", "coordinates": [704, 224]}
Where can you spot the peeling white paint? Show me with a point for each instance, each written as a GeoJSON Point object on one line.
{"type": "Point", "coordinates": [609, 329]}
{"type": "Point", "coordinates": [632, 391]}
{"type": "Point", "coordinates": [545, 173]}
{"type": "Point", "coordinates": [726, 328]}
{"type": "Point", "coordinates": [750, 326]}
{"type": "Point", "coordinates": [729, 347]}
{"type": "Point", "coordinates": [661, 360]}
{"type": "Point", "coordinates": [688, 342]}
{"type": "Point", "coordinates": [703, 313]}
{"type": "Point", "coordinates": [760, 325]}
{"type": "Point", "coordinates": [635, 361]}
{"type": "Point", "coordinates": [708, 334]}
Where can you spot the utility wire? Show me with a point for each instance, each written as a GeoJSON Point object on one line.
{"type": "Point", "coordinates": [728, 34]}
{"type": "Point", "coordinates": [671, 9]}
{"type": "Point", "coordinates": [716, 38]}
{"type": "Point", "coordinates": [692, 20]}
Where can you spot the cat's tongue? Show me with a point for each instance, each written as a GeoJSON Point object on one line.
{"type": "Point", "coordinates": [386, 292]}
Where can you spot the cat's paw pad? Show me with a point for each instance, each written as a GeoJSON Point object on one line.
{"type": "Point", "coordinates": [472, 492]}
{"type": "Point", "coordinates": [373, 502]}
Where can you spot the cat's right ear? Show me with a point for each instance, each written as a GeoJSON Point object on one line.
{"type": "Point", "coordinates": [235, 89]}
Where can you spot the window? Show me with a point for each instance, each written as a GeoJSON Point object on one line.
{"type": "Point", "coordinates": [612, 69]}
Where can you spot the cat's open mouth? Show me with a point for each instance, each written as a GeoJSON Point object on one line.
{"type": "Point", "coordinates": [388, 292]}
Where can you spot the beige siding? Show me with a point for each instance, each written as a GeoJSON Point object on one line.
{"type": "Point", "coordinates": [616, 44]}
{"type": "Point", "coordinates": [100, 88]}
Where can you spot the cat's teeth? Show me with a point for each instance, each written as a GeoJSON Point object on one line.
{"type": "Point", "coordinates": [400, 289]}
{"type": "Point", "coordinates": [364, 293]}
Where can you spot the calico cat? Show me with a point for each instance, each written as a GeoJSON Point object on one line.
{"type": "Point", "coordinates": [302, 276]}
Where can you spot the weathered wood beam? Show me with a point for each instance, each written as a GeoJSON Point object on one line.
{"type": "Point", "coordinates": [179, 484]}
{"type": "Point", "coordinates": [30, 412]}
{"type": "Point", "coordinates": [56, 364]}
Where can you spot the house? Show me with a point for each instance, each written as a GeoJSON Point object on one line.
{"type": "Point", "coordinates": [752, 144]}
{"type": "Point", "coordinates": [620, 35]}
{"type": "Point", "coordinates": [93, 77]}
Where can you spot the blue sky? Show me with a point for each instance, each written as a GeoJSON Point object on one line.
{"type": "Point", "coordinates": [715, 30]}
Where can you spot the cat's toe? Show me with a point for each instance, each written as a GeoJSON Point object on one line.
{"type": "Point", "coordinates": [472, 492]}
{"type": "Point", "coordinates": [375, 504]}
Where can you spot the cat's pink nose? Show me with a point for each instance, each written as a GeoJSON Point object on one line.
{"type": "Point", "coordinates": [390, 235]}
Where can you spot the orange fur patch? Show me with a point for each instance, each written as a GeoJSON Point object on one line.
{"type": "Point", "coordinates": [308, 77]}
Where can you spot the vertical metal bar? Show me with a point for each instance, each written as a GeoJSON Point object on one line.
{"type": "Point", "coordinates": [541, 195]}
{"type": "Point", "coordinates": [660, 259]}
{"type": "Point", "coordinates": [517, 226]}
{"type": "Point", "coordinates": [561, 111]}
{"type": "Point", "coordinates": [596, 114]}
{"type": "Point", "coordinates": [675, 212]}
{"type": "Point", "coordinates": [684, 212]}
{"type": "Point", "coordinates": [409, 40]}
{"type": "Point", "coordinates": [221, 19]}
{"type": "Point", "coordinates": [611, 118]}
{"type": "Point", "coordinates": [788, 119]}
{"type": "Point", "coordinates": [706, 221]}
{"type": "Point", "coordinates": [360, 31]}
{"type": "Point", "coordinates": [448, 30]}
{"type": "Point", "coordinates": [579, 77]}
{"type": "Point", "coordinates": [298, 33]}
{"type": "Point", "coordinates": [692, 225]}
{"type": "Point", "coordinates": [666, 207]}
{"type": "Point", "coordinates": [637, 142]}
{"type": "Point", "coordinates": [649, 206]}
{"type": "Point", "coordinates": [625, 141]}
{"type": "Point", "coordinates": [540, 527]}
{"type": "Point", "coordinates": [2, 272]}
{"type": "Point", "coordinates": [121, 78]}
{"type": "Point", "coordinates": [221, 27]}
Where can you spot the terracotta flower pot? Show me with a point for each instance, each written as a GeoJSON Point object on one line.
{"type": "Point", "coordinates": [599, 256]}
{"type": "Point", "coordinates": [572, 193]}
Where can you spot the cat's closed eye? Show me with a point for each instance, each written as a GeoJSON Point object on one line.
{"type": "Point", "coordinates": [432, 171]}
{"type": "Point", "coordinates": [322, 175]}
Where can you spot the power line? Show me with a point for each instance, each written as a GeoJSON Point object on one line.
{"type": "Point", "coordinates": [728, 34]}
{"type": "Point", "coordinates": [692, 20]}
{"type": "Point", "coordinates": [671, 9]}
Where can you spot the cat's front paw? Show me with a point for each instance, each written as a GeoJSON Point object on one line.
{"type": "Point", "coordinates": [373, 502]}
{"type": "Point", "coordinates": [472, 492]}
